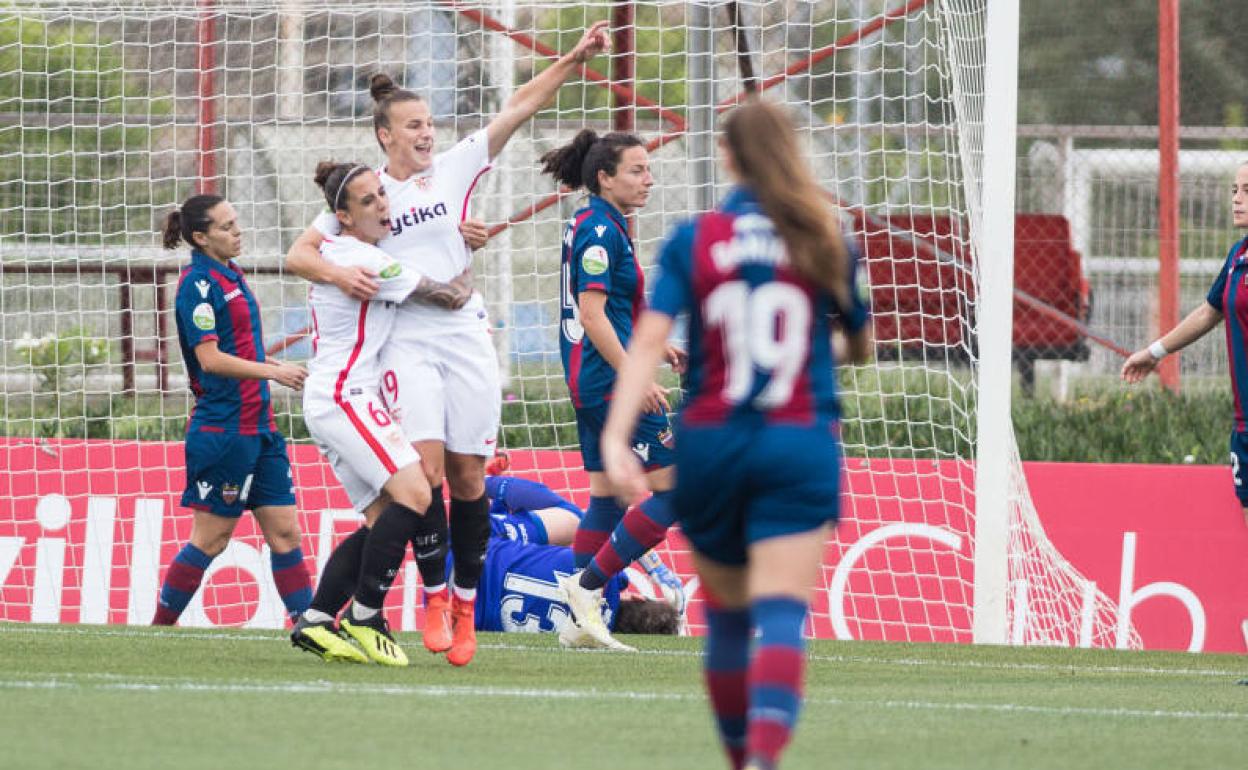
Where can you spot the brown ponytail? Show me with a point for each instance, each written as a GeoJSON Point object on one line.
{"type": "Point", "coordinates": [192, 217]}
{"type": "Point", "coordinates": [764, 146]}
{"type": "Point", "coordinates": [385, 93]}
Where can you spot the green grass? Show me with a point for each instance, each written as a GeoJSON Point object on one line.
{"type": "Point", "coordinates": [113, 697]}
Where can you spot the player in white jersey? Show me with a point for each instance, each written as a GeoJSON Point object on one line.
{"type": "Point", "coordinates": [445, 378]}
{"type": "Point", "coordinates": [356, 430]}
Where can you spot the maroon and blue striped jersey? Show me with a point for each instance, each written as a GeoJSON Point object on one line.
{"type": "Point", "coordinates": [1229, 297]}
{"type": "Point", "coordinates": [597, 256]}
{"type": "Point", "coordinates": [759, 334]}
{"type": "Point", "coordinates": [214, 303]}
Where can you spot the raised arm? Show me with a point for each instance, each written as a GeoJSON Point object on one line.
{"type": "Point", "coordinates": [537, 93]}
{"type": "Point", "coordinates": [304, 260]}
{"type": "Point", "coordinates": [1198, 323]}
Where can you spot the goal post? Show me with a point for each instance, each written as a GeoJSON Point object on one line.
{"type": "Point", "coordinates": [115, 110]}
{"type": "Point", "coordinates": [993, 493]}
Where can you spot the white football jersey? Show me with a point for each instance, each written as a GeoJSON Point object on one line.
{"type": "Point", "coordinates": [425, 213]}
{"type": "Point", "coordinates": [348, 335]}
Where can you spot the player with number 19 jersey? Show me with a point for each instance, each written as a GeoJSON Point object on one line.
{"type": "Point", "coordinates": [342, 404]}
{"type": "Point", "coordinates": [759, 452]}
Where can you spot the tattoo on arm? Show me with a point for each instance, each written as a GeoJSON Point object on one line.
{"type": "Point", "coordinates": [451, 296]}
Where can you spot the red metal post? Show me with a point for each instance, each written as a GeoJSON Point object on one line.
{"type": "Point", "coordinates": [623, 65]}
{"type": "Point", "coordinates": [1168, 179]}
{"type": "Point", "coordinates": [207, 62]}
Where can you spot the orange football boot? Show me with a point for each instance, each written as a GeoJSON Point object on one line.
{"type": "Point", "coordinates": [464, 641]}
{"type": "Point", "coordinates": [437, 634]}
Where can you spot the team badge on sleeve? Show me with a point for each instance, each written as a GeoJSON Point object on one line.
{"type": "Point", "coordinates": [203, 317]}
{"type": "Point", "coordinates": [595, 261]}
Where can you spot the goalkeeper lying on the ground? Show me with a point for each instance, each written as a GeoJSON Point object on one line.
{"type": "Point", "coordinates": [530, 529]}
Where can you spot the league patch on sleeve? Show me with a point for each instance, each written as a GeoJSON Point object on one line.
{"type": "Point", "coordinates": [391, 270]}
{"type": "Point", "coordinates": [203, 317]}
{"type": "Point", "coordinates": [595, 261]}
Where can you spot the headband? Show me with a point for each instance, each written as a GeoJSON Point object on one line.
{"type": "Point", "coordinates": [343, 184]}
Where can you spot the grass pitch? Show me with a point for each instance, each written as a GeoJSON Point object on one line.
{"type": "Point", "coordinates": [114, 697]}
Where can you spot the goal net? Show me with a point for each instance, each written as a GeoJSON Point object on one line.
{"type": "Point", "coordinates": [116, 110]}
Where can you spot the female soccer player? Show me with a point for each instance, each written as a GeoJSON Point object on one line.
{"type": "Point", "coordinates": [235, 457]}
{"type": "Point", "coordinates": [758, 459]}
{"type": "Point", "coordinates": [440, 368]}
{"type": "Point", "coordinates": [351, 422]}
{"type": "Point", "coordinates": [603, 290]}
{"type": "Point", "coordinates": [1226, 299]}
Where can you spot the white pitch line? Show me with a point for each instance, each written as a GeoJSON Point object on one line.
{"type": "Point", "coordinates": [113, 683]}
{"type": "Point", "coordinates": [216, 635]}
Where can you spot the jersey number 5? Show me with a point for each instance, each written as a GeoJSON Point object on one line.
{"type": "Point", "coordinates": [767, 330]}
{"type": "Point", "coordinates": [571, 325]}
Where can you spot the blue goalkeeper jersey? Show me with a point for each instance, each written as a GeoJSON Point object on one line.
{"type": "Point", "coordinates": [518, 590]}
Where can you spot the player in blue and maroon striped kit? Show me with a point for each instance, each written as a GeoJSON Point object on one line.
{"type": "Point", "coordinates": [758, 456]}
{"type": "Point", "coordinates": [1227, 300]}
{"type": "Point", "coordinates": [602, 293]}
{"type": "Point", "coordinates": [235, 457]}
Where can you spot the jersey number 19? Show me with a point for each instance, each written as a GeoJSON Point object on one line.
{"type": "Point", "coordinates": [765, 330]}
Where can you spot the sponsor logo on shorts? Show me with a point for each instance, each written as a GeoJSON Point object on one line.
{"type": "Point", "coordinates": [203, 317]}
{"type": "Point", "coordinates": [205, 489]}
{"type": "Point", "coordinates": [642, 450]}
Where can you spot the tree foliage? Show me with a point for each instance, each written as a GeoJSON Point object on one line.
{"type": "Point", "coordinates": [1096, 63]}
{"type": "Point", "coordinates": [75, 164]}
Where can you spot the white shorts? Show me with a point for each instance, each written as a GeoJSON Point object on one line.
{"type": "Point", "coordinates": [364, 445]}
{"type": "Point", "coordinates": [445, 388]}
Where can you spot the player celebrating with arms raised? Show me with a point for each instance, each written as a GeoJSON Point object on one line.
{"type": "Point", "coordinates": [758, 459]}
{"type": "Point", "coordinates": [235, 457]}
{"type": "Point", "coordinates": [441, 371]}
{"type": "Point", "coordinates": [603, 290]}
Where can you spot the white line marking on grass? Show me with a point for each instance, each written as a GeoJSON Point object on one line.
{"type": "Point", "coordinates": [218, 635]}
{"type": "Point", "coordinates": [112, 682]}
{"type": "Point", "coordinates": [115, 683]}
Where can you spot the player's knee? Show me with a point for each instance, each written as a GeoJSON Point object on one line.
{"type": "Point", "coordinates": [466, 478]}
{"type": "Point", "coordinates": [409, 488]}
{"type": "Point", "coordinates": [211, 544]}
{"type": "Point", "coordinates": [285, 538]}
{"type": "Point", "coordinates": [414, 496]}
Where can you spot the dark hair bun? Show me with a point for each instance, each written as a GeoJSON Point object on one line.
{"type": "Point", "coordinates": [323, 170]}
{"type": "Point", "coordinates": [380, 86]}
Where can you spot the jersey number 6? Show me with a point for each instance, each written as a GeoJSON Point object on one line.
{"type": "Point", "coordinates": [766, 329]}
